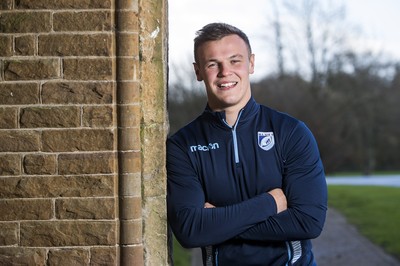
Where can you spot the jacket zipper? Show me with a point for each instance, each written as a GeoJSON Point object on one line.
{"type": "Point", "coordinates": [234, 136]}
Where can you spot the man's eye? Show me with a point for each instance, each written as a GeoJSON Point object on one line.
{"type": "Point", "coordinates": [211, 65]}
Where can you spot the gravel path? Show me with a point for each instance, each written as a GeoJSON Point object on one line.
{"type": "Point", "coordinates": [340, 244]}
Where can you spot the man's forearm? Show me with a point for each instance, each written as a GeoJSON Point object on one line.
{"type": "Point", "coordinates": [196, 227]}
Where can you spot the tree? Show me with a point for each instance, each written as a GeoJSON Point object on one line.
{"type": "Point", "coordinates": [277, 25]}
{"type": "Point", "coordinates": [348, 99]}
{"type": "Point", "coordinates": [186, 97]}
{"type": "Point", "coordinates": [313, 32]}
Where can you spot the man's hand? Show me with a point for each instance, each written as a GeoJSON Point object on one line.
{"type": "Point", "coordinates": [208, 205]}
{"type": "Point", "coordinates": [280, 199]}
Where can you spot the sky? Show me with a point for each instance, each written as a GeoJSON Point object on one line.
{"type": "Point", "coordinates": [370, 25]}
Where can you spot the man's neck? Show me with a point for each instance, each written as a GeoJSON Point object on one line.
{"type": "Point", "coordinates": [231, 116]}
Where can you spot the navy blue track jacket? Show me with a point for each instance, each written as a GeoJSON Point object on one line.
{"type": "Point", "coordinates": [233, 168]}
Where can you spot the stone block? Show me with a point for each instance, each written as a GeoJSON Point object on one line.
{"type": "Point", "coordinates": [10, 164]}
{"type": "Point", "coordinates": [23, 256]}
{"type": "Point", "coordinates": [25, 22]}
{"type": "Point", "coordinates": [155, 230]}
{"type": "Point", "coordinates": [128, 92]}
{"type": "Point", "coordinates": [128, 20]}
{"type": "Point", "coordinates": [130, 208]}
{"type": "Point", "coordinates": [96, 163]}
{"type": "Point", "coordinates": [90, 208]}
{"type": "Point", "coordinates": [154, 99]}
{"type": "Point", "coordinates": [152, 45]}
{"type": "Point", "coordinates": [50, 117]}
{"type": "Point", "coordinates": [133, 255]}
{"type": "Point", "coordinates": [129, 5]}
{"type": "Point", "coordinates": [128, 69]}
{"type": "Point", "coordinates": [128, 44]}
{"type": "Point", "coordinates": [6, 46]}
{"type": "Point", "coordinates": [8, 118]}
{"type": "Point", "coordinates": [68, 257]}
{"type": "Point", "coordinates": [6, 4]}
{"type": "Point", "coordinates": [129, 115]}
{"type": "Point", "coordinates": [75, 45]}
{"type": "Point", "coordinates": [130, 185]}
{"type": "Point", "coordinates": [153, 65]}
{"type": "Point", "coordinates": [153, 167]}
{"type": "Point", "coordinates": [82, 21]}
{"type": "Point", "coordinates": [26, 209]}
{"type": "Point", "coordinates": [40, 164]}
{"type": "Point", "coordinates": [88, 69]}
{"type": "Point", "coordinates": [19, 93]}
{"type": "Point", "coordinates": [78, 140]}
{"type": "Point", "coordinates": [19, 141]}
{"type": "Point", "coordinates": [130, 162]}
{"type": "Point", "coordinates": [103, 256]}
{"type": "Point", "coordinates": [25, 45]}
{"type": "Point", "coordinates": [68, 233]}
{"type": "Point", "coordinates": [131, 232]}
{"type": "Point", "coordinates": [57, 186]}
{"type": "Point", "coordinates": [63, 4]}
{"type": "Point", "coordinates": [154, 184]}
{"type": "Point", "coordinates": [129, 139]}
{"type": "Point", "coordinates": [31, 69]}
{"type": "Point", "coordinates": [155, 215]}
{"type": "Point", "coordinates": [9, 234]}
{"type": "Point", "coordinates": [77, 92]}
{"type": "Point", "coordinates": [98, 116]}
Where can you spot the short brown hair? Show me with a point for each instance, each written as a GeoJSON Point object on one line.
{"type": "Point", "coordinates": [216, 31]}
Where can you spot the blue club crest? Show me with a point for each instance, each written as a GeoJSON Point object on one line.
{"type": "Point", "coordinates": [266, 140]}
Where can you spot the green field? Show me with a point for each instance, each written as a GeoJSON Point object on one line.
{"type": "Point", "coordinates": [374, 210]}
{"type": "Point", "coordinates": [181, 255]}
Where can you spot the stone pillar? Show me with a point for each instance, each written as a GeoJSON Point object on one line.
{"type": "Point", "coordinates": [82, 130]}
{"type": "Point", "coordinates": [153, 51]}
{"type": "Point", "coordinates": [141, 93]}
{"type": "Point", "coordinates": [129, 139]}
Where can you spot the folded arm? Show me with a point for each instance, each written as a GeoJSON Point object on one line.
{"type": "Point", "coordinates": [196, 226]}
{"type": "Point", "coordinates": [305, 187]}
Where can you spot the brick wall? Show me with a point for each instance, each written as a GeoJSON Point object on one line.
{"type": "Point", "coordinates": [82, 132]}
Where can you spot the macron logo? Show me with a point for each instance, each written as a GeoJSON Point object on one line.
{"type": "Point", "coordinates": [210, 146]}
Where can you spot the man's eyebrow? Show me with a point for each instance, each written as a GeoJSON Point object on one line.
{"type": "Point", "coordinates": [236, 56]}
{"type": "Point", "coordinates": [230, 57]}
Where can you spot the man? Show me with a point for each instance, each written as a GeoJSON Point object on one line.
{"type": "Point", "coordinates": [245, 182]}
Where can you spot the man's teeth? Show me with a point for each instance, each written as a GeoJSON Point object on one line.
{"type": "Point", "coordinates": [227, 84]}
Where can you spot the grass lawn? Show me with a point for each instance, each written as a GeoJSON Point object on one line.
{"type": "Point", "coordinates": [181, 255]}
{"type": "Point", "coordinates": [374, 210]}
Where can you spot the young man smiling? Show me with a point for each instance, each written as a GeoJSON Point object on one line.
{"type": "Point", "coordinates": [225, 66]}
{"type": "Point", "coordinates": [253, 192]}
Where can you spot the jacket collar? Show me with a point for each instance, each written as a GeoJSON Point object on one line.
{"type": "Point", "coordinates": [248, 111]}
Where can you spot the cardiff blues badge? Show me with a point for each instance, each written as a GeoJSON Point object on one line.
{"type": "Point", "coordinates": [266, 140]}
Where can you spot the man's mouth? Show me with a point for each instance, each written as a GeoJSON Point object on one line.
{"type": "Point", "coordinates": [227, 85]}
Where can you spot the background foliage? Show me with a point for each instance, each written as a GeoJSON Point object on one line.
{"type": "Point", "coordinates": [348, 98]}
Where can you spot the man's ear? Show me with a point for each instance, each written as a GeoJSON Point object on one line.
{"type": "Point", "coordinates": [251, 65]}
{"type": "Point", "coordinates": [197, 71]}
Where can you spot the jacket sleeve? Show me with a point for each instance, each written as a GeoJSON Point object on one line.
{"type": "Point", "coordinates": [305, 188]}
{"type": "Point", "coordinates": [192, 224]}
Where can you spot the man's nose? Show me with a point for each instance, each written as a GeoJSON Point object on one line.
{"type": "Point", "coordinates": [224, 70]}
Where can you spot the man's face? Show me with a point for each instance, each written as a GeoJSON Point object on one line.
{"type": "Point", "coordinates": [224, 66]}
